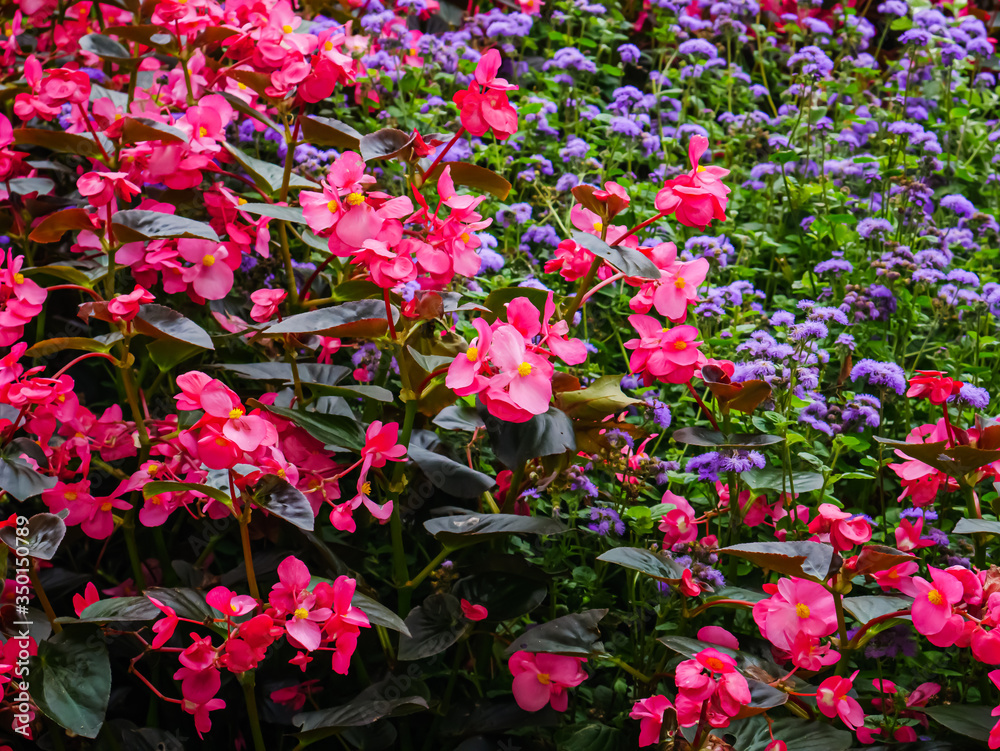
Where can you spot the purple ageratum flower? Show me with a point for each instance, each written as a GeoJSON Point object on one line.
{"type": "Point", "coordinates": [782, 318]}
{"type": "Point", "coordinates": [846, 340]}
{"type": "Point", "coordinates": [835, 266]}
{"type": "Point", "coordinates": [619, 439]}
{"type": "Point", "coordinates": [575, 148]}
{"type": "Point", "coordinates": [888, 375]}
{"type": "Point", "coordinates": [963, 277]}
{"type": "Point", "coordinates": [491, 260]}
{"type": "Point", "coordinates": [698, 47]}
{"type": "Point", "coordinates": [823, 313]}
{"type": "Point", "coordinates": [810, 330]}
{"type": "Point", "coordinates": [861, 411]}
{"type": "Point", "coordinates": [813, 60]}
{"type": "Point", "coordinates": [959, 204]}
{"type": "Point", "coordinates": [567, 182]}
{"type": "Point", "coordinates": [629, 53]}
{"type": "Point", "coordinates": [661, 411]}
{"type": "Point", "coordinates": [807, 223]}
{"type": "Point", "coordinates": [973, 396]}
{"type": "Point", "coordinates": [604, 519]}
{"type": "Point", "coordinates": [928, 515]}
{"type": "Point", "coordinates": [894, 8]}
{"type": "Point", "coordinates": [868, 227]}
{"type": "Point", "coordinates": [706, 466]}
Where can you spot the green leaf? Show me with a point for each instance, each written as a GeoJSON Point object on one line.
{"type": "Point", "coordinates": [135, 225]}
{"type": "Point", "coordinates": [281, 372]}
{"type": "Point", "coordinates": [55, 225]}
{"type": "Point", "coordinates": [474, 176]}
{"type": "Point", "coordinates": [67, 143]}
{"type": "Point", "coordinates": [429, 363]}
{"type": "Point", "coordinates": [574, 634]}
{"type": "Point", "coordinates": [268, 177]}
{"type": "Point", "coordinates": [325, 131]}
{"type": "Point", "coordinates": [514, 443]}
{"type": "Point", "coordinates": [450, 476]}
{"type": "Point", "coordinates": [376, 702]}
{"type": "Point", "coordinates": [505, 595]}
{"type": "Point", "coordinates": [105, 48]}
{"type": "Point", "coordinates": [24, 186]}
{"type": "Point", "coordinates": [601, 398]}
{"type": "Point", "coordinates": [459, 417]}
{"type": "Point", "coordinates": [378, 614]}
{"type": "Point", "coordinates": [589, 736]}
{"type": "Point", "coordinates": [469, 529]}
{"type": "Point", "coordinates": [167, 354]}
{"type": "Point", "coordinates": [159, 321]}
{"type": "Point", "coordinates": [117, 609]}
{"type": "Point", "coordinates": [360, 319]}
{"type": "Point", "coordinates": [630, 262]}
{"type": "Point", "coordinates": [336, 430]}
{"type": "Point", "coordinates": [85, 344]}
{"type": "Point", "coordinates": [384, 144]}
{"type": "Point", "coordinates": [285, 213]}
{"type": "Point", "coordinates": [17, 477]}
{"type": "Point", "coordinates": [973, 526]}
{"type": "Point", "coordinates": [156, 487]}
{"type": "Point", "coordinates": [969, 720]}
{"type": "Point", "coordinates": [696, 436]}
{"type": "Point", "coordinates": [646, 561]}
{"type": "Point", "coordinates": [434, 626]}
{"type": "Point", "coordinates": [45, 533]}
{"type": "Point", "coordinates": [284, 500]}
{"type": "Point", "coordinates": [803, 559]}
{"type": "Point", "coordinates": [866, 608]}
{"type": "Point", "coordinates": [770, 478]}
{"type": "Point", "coordinates": [71, 680]}
{"type": "Point", "coordinates": [139, 129]}
{"type": "Point", "coordinates": [752, 734]}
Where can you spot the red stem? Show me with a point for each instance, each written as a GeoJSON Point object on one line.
{"type": "Point", "coordinates": [705, 409]}
{"type": "Point", "coordinates": [874, 622]}
{"type": "Point", "coordinates": [93, 293]}
{"type": "Point", "coordinates": [388, 314]}
{"type": "Point", "coordinates": [71, 363]}
{"type": "Point", "coordinates": [636, 228]}
{"type": "Point", "coordinates": [446, 149]}
{"type": "Point", "coordinates": [93, 132]}
{"type": "Point", "coordinates": [312, 277]}
{"type": "Point", "coordinates": [947, 423]}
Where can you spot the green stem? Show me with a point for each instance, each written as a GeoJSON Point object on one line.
{"type": "Point", "coordinates": [247, 680]}
{"type": "Point", "coordinates": [128, 528]}
{"type": "Point", "coordinates": [429, 568]}
{"type": "Point", "coordinates": [247, 553]}
{"type": "Point", "coordinates": [42, 597]}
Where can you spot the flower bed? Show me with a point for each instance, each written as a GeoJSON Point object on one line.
{"type": "Point", "coordinates": [552, 376]}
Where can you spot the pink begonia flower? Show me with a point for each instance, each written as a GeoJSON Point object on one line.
{"type": "Point", "coordinates": [265, 303]}
{"type": "Point", "coordinates": [541, 678]}
{"type": "Point", "coordinates": [484, 105]}
{"type": "Point", "coordinates": [344, 625]}
{"type": "Point", "coordinates": [229, 603]}
{"type": "Point", "coordinates": [210, 275]}
{"type": "Point", "coordinates": [776, 745]}
{"type": "Point", "coordinates": [198, 687]}
{"type": "Point", "coordinates": [809, 654]}
{"type": "Point", "coordinates": [650, 713]}
{"type": "Point", "coordinates": [88, 598]}
{"type": "Point", "coordinates": [165, 627]}
{"type": "Point", "coordinates": [833, 701]}
{"type": "Point", "coordinates": [718, 635]}
{"type": "Point", "coordinates": [725, 695]}
{"type": "Point", "coordinates": [797, 605]}
{"type": "Point", "coordinates": [932, 601]}
{"type": "Point", "coordinates": [670, 355]}
{"type": "Point", "coordinates": [908, 535]}
{"type": "Point", "coordinates": [839, 528]}
{"type": "Point", "coordinates": [381, 446]}
{"type": "Point", "coordinates": [994, 739]}
{"type": "Point", "coordinates": [698, 197]}
{"type": "Point", "coordinates": [464, 374]}
{"type": "Point", "coordinates": [891, 578]}
{"type": "Point", "coordinates": [388, 266]}
{"type": "Point", "coordinates": [474, 612]}
{"type": "Point", "coordinates": [291, 597]}
{"type": "Point", "coordinates": [678, 525]}
{"type": "Point", "coordinates": [100, 187]}
{"type": "Point", "coordinates": [126, 307]}
{"type": "Point", "coordinates": [556, 336]}
{"type": "Point", "coordinates": [523, 386]}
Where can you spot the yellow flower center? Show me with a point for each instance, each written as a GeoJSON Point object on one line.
{"type": "Point", "coordinates": [156, 500]}
{"type": "Point", "coordinates": [152, 468]}
{"type": "Point", "coordinates": [287, 29]}
{"type": "Point", "coordinates": [301, 613]}
{"type": "Point", "coordinates": [544, 679]}
{"type": "Point", "coordinates": [679, 282]}
{"type": "Point", "coordinates": [700, 169]}
{"type": "Point", "coordinates": [106, 506]}
{"type": "Point", "coordinates": [366, 488]}
{"type": "Point", "coordinates": [472, 354]}
{"type": "Point", "coordinates": [70, 495]}
{"type": "Point", "coordinates": [202, 132]}
{"type": "Point", "coordinates": [333, 207]}
{"type": "Point", "coordinates": [328, 45]}
{"type": "Point", "coordinates": [524, 369]}
{"type": "Point", "coordinates": [241, 86]}
{"type": "Point", "coordinates": [18, 278]}
{"type": "Point", "coordinates": [464, 237]}
{"type": "Point", "coordinates": [235, 414]}
{"type": "Point", "coordinates": [355, 199]}
{"type": "Point", "coordinates": [240, 201]}
{"type": "Point", "coordinates": [679, 344]}
{"type": "Point", "coordinates": [280, 473]}
{"type": "Point", "coordinates": [208, 260]}
{"type": "Point", "coordinates": [802, 610]}
{"type": "Point", "coordinates": [598, 227]}
{"type": "Point", "coordinates": [715, 664]}
{"type": "Point", "coordinates": [935, 597]}
{"type": "Point", "coordinates": [233, 607]}
{"type": "Point", "coordinates": [220, 441]}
